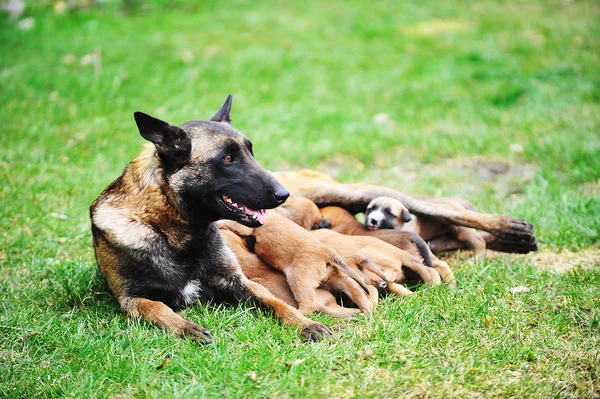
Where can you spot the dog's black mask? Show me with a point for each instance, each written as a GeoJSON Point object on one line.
{"type": "Point", "coordinates": [211, 169]}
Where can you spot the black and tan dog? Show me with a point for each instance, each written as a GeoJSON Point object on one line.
{"type": "Point", "coordinates": [155, 239]}
{"type": "Point", "coordinates": [390, 213]}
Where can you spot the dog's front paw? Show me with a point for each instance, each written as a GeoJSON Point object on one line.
{"type": "Point", "coordinates": [198, 333]}
{"type": "Point", "coordinates": [316, 332]}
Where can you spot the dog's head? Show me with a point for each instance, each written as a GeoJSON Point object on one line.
{"type": "Point", "coordinates": [386, 213]}
{"type": "Point", "coordinates": [211, 169]}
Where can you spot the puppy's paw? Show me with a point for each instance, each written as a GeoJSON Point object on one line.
{"type": "Point", "coordinates": [198, 333]}
{"type": "Point", "coordinates": [316, 332]}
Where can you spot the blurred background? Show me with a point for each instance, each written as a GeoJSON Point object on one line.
{"type": "Point", "coordinates": [497, 102]}
{"type": "Point", "coordinates": [493, 101]}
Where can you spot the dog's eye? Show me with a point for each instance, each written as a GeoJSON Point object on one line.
{"type": "Point", "coordinates": [228, 158]}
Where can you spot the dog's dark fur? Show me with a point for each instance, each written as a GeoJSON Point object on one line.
{"type": "Point", "coordinates": [155, 239]}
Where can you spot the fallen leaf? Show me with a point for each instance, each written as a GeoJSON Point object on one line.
{"type": "Point", "coordinates": [518, 290]}
{"type": "Point", "coordinates": [59, 216]}
{"type": "Point", "coordinates": [164, 363]}
{"type": "Point", "coordinates": [380, 118]}
{"type": "Point", "coordinates": [26, 23]}
{"type": "Point", "coordinates": [252, 374]}
{"type": "Point", "coordinates": [294, 362]}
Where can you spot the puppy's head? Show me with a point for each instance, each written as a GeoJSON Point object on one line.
{"type": "Point", "coordinates": [386, 213]}
{"type": "Point", "coordinates": [211, 169]}
{"type": "Point", "coordinates": [305, 213]}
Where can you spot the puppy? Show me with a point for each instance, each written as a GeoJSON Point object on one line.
{"type": "Point", "coordinates": [390, 213]}
{"type": "Point", "coordinates": [303, 212]}
{"type": "Point", "coordinates": [260, 272]}
{"type": "Point", "coordinates": [344, 222]}
{"type": "Point", "coordinates": [306, 263]}
{"type": "Point", "coordinates": [387, 258]}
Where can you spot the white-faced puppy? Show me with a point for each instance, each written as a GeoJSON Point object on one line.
{"type": "Point", "coordinates": [389, 213]}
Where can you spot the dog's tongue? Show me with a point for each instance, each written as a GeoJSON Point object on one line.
{"type": "Point", "coordinates": [261, 215]}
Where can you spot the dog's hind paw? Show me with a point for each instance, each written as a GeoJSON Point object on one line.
{"type": "Point", "coordinates": [198, 333]}
{"type": "Point", "coordinates": [316, 332]}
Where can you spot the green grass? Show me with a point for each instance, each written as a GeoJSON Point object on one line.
{"type": "Point", "coordinates": [461, 85]}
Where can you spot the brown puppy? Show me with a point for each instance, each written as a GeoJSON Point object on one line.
{"type": "Point", "coordinates": [303, 212]}
{"type": "Point", "coordinates": [390, 213]}
{"type": "Point", "coordinates": [262, 273]}
{"type": "Point", "coordinates": [306, 263]}
{"type": "Point", "coordinates": [344, 222]}
{"type": "Point", "coordinates": [385, 256]}
{"type": "Point", "coordinates": [508, 234]}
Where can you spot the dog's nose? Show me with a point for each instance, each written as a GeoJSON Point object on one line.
{"type": "Point", "coordinates": [281, 195]}
{"type": "Point", "coordinates": [373, 222]}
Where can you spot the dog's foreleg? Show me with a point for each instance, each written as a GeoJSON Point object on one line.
{"type": "Point", "coordinates": [285, 313]}
{"type": "Point", "coordinates": [163, 316]}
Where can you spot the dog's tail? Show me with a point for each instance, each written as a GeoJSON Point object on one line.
{"type": "Point", "coordinates": [336, 261]}
{"type": "Point", "coordinates": [423, 248]}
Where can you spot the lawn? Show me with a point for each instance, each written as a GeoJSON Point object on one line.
{"type": "Point", "coordinates": [497, 102]}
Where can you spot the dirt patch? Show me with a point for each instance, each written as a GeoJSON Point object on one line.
{"type": "Point", "coordinates": [566, 260]}
{"type": "Point", "coordinates": [559, 262]}
{"type": "Point", "coordinates": [462, 177]}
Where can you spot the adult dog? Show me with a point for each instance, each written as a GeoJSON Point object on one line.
{"type": "Point", "coordinates": [155, 239]}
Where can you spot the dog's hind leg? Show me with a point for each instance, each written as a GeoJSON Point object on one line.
{"type": "Point", "coordinates": [355, 197]}
{"type": "Point", "coordinates": [163, 316]}
{"type": "Point", "coordinates": [285, 313]}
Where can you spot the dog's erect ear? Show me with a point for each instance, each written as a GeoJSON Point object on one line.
{"type": "Point", "coordinates": [406, 216]}
{"type": "Point", "coordinates": [173, 145]}
{"type": "Point", "coordinates": [222, 115]}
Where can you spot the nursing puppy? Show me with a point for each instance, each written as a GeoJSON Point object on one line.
{"type": "Point", "coordinates": [155, 239]}
{"type": "Point", "coordinates": [303, 212]}
{"type": "Point", "coordinates": [390, 213]}
{"type": "Point", "coordinates": [306, 263]}
{"type": "Point", "coordinates": [387, 258]}
{"type": "Point", "coordinates": [344, 222]}
{"type": "Point", "coordinates": [262, 273]}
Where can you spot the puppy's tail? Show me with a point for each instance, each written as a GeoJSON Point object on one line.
{"type": "Point", "coordinates": [336, 261]}
{"type": "Point", "coordinates": [423, 249]}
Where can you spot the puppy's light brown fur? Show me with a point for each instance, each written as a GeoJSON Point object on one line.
{"type": "Point", "coordinates": [344, 222]}
{"type": "Point", "coordinates": [262, 273]}
{"type": "Point", "coordinates": [303, 212]}
{"type": "Point", "coordinates": [429, 228]}
{"type": "Point", "coordinates": [306, 263]}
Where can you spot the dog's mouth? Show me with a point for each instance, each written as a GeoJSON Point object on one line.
{"type": "Point", "coordinates": [241, 213]}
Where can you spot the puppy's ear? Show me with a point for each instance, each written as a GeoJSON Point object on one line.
{"type": "Point", "coordinates": [173, 145]}
{"type": "Point", "coordinates": [406, 216]}
{"type": "Point", "coordinates": [222, 115]}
